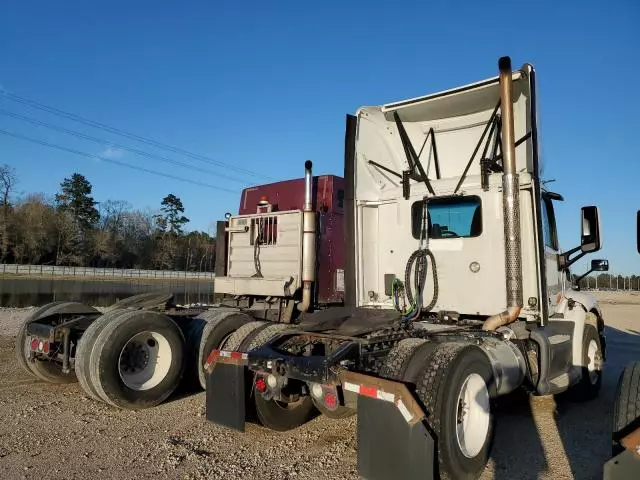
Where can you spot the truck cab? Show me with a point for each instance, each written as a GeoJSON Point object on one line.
{"type": "Point", "coordinates": [455, 288]}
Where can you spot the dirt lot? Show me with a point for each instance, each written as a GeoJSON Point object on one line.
{"type": "Point", "coordinates": [55, 432]}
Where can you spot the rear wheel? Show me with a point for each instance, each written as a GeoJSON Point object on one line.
{"type": "Point", "coordinates": [266, 334]}
{"type": "Point", "coordinates": [137, 360]}
{"type": "Point", "coordinates": [283, 416]}
{"type": "Point", "coordinates": [45, 368]}
{"type": "Point", "coordinates": [273, 414]}
{"type": "Point", "coordinates": [337, 414]}
{"type": "Point", "coordinates": [22, 339]}
{"type": "Point", "coordinates": [456, 387]}
{"type": "Point", "coordinates": [220, 325]}
{"type": "Point", "coordinates": [399, 357]}
{"type": "Point", "coordinates": [626, 408]}
{"type": "Point", "coordinates": [235, 340]}
{"type": "Point", "coordinates": [83, 352]}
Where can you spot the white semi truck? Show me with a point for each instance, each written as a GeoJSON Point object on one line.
{"type": "Point", "coordinates": [412, 292]}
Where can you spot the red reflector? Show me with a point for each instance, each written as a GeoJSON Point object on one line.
{"type": "Point", "coordinates": [45, 348]}
{"type": "Point", "coordinates": [368, 391]}
{"type": "Point", "coordinates": [261, 385]}
{"type": "Point", "coordinates": [236, 355]}
{"type": "Point", "coordinates": [331, 400]}
{"type": "Point", "coordinates": [34, 344]}
{"type": "Point", "coordinates": [211, 358]}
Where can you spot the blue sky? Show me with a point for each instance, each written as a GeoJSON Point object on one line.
{"type": "Point", "coordinates": [263, 86]}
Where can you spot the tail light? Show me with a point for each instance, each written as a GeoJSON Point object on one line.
{"type": "Point", "coordinates": [327, 394]}
{"type": "Point", "coordinates": [261, 385]}
{"type": "Point", "coordinates": [330, 400]}
{"type": "Point", "coordinates": [38, 345]}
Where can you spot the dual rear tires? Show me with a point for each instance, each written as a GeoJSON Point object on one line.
{"type": "Point", "coordinates": [239, 332]}
{"type": "Point", "coordinates": [131, 359]}
{"type": "Point", "coordinates": [454, 383]}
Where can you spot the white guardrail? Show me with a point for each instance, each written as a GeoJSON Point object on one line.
{"type": "Point", "coordinates": [44, 270]}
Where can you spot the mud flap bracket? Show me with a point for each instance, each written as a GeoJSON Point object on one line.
{"type": "Point", "coordinates": [391, 447]}
{"type": "Point", "coordinates": [225, 396]}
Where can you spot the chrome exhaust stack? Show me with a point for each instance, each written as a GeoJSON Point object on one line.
{"type": "Point", "coordinates": [308, 239]}
{"type": "Point", "coordinates": [511, 205]}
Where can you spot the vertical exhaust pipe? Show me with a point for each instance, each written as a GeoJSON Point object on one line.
{"type": "Point", "coordinates": [308, 239]}
{"type": "Point", "coordinates": [511, 205]}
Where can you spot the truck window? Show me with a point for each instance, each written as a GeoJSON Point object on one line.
{"type": "Point", "coordinates": [448, 217]}
{"type": "Point", "coordinates": [549, 224]}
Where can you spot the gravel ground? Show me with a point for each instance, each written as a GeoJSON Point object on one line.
{"type": "Point", "coordinates": [56, 432]}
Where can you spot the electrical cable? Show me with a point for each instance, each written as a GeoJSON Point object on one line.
{"type": "Point", "coordinates": [132, 136]}
{"type": "Point", "coordinates": [136, 151]}
{"type": "Point", "coordinates": [115, 162]}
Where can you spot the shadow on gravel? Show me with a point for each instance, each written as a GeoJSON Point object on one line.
{"type": "Point", "coordinates": [543, 437]}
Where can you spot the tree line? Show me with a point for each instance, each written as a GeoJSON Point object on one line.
{"type": "Point", "coordinates": [73, 229]}
{"type": "Point", "coordinates": [604, 281]}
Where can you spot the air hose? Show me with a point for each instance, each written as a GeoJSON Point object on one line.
{"type": "Point", "coordinates": [417, 263]}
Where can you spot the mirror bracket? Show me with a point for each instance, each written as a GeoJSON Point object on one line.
{"type": "Point", "coordinates": [565, 260]}
{"type": "Point", "coordinates": [597, 266]}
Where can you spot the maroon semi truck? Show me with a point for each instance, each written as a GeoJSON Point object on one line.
{"type": "Point", "coordinates": [268, 202]}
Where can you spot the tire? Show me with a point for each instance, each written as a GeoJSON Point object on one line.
{"type": "Point", "coordinates": [192, 329]}
{"type": "Point", "coordinates": [234, 342]}
{"type": "Point", "coordinates": [454, 372]}
{"type": "Point", "coordinates": [626, 408]}
{"type": "Point", "coordinates": [266, 334]}
{"type": "Point", "coordinates": [83, 352]}
{"type": "Point", "coordinates": [337, 414]}
{"type": "Point", "coordinates": [274, 415]}
{"type": "Point", "coordinates": [215, 332]}
{"type": "Point", "coordinates": [398, 358]}
{"type": "Point", "coordinates": [22, 347]}
{"type": "Point", "coordinates": [282, 417]}
{"type": "Point", "coordinates": [590, 382]}
{"type": "Point", "coordinates": [48, 371]}
{"type": "Point", "coordinates": [121, 363]}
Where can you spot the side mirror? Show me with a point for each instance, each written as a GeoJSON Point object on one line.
{"type": "Point", "coordinates": [599, 265]}
{"type": "Point", "coordinates": [590, 235]}
{"type": "Point", "coordinates": [596, 266]}
{"type": "Point", "coordinates": [589, 238]}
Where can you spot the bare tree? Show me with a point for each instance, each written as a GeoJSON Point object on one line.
{"type": "Point", "coordinates": [8, 180]}
{"type": "Point", "coordinates": [34, 230]}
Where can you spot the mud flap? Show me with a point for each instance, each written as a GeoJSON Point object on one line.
{"type": "Point", "coordinates": [225, 396]}
{"type": "Point", "coordinates": [622, 467]}
{"type": "Point", "coordinates": [389, 447]}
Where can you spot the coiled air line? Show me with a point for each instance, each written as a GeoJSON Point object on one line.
{"type": "Point", "coordinates": [417, 263]}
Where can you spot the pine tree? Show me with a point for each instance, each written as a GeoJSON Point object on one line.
{"type": "Point", "coordinates": [75, 198]}
{"type": "Point", "coordinates": [172, 218]}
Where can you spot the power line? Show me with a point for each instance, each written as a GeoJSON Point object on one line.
{"type": "Point", "coordinates": [136, 151]}
{"type": "Point", "coordinates": [124, 133]}
{"type": "Point", "coordinates": [115, 162]}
